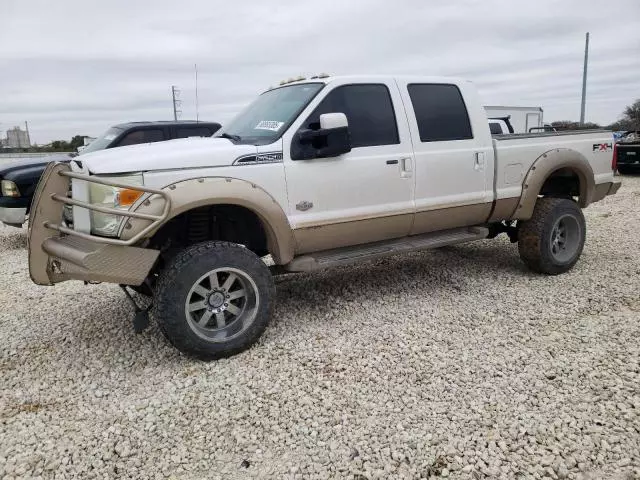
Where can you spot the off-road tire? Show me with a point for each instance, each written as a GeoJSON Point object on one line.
{"type": "Point", "coordinates": [177, 279]}
{"type": "Point", "coordinates": [535, 235]}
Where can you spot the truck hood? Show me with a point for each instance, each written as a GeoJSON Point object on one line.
{"type": "Point", "coordinates": [194, 152]}
{"type": "Point", "coordinates": [18, 164]}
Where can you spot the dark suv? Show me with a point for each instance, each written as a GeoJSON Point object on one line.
{"type": "Point", "coordinates": [18, 180]}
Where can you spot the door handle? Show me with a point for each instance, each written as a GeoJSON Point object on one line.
{"type": "Point", "coordinates": [406, 167]}
{"type": "Point", "coordinates": [478, 163]}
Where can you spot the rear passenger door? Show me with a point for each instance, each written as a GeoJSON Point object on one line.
{"type": "Point", "coordinates": [453, 156]}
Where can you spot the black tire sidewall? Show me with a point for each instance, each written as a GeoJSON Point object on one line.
{"type": "Point", "coordinates": [176, 280]}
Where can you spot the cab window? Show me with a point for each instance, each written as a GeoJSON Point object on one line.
{"type": "Point", "coordinates": [142, 136]}
{"type": "Point", "coordinates": [369, 111]}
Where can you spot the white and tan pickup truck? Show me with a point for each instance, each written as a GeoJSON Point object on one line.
{"type": "Point", "coordinates": [314, 173]}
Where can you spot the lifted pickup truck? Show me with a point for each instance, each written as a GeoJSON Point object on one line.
{"type": "Point", "coordinates": [316, 173]}
{"type": "Point", "coordinates": [18, 180]}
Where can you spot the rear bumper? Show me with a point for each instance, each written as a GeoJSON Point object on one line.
{"type": "Point", "coordinates": [13, 216]}
{"type": "Point", "coordinates": [629, 164]}
{"type": "Point", "coordinates": [56, 257]}
{"type": "Point", "coordinates": [615, 186]}
{"type": "Point", "coordinates": [604, 189]}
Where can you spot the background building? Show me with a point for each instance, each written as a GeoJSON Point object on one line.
{"type": "Point", "coordinates": [17, 138]}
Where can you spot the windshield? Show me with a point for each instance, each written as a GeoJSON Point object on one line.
{"type": "Point", "coordinates": [267, 118]}
{"type": "Point", "coordinates": [103, 141]}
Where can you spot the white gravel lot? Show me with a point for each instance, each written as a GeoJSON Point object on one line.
{"type": "Point", "coordinates": [452, 363]}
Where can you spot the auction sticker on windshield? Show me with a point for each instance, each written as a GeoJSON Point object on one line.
{"type": "Point", "coordinates": [272, 125]}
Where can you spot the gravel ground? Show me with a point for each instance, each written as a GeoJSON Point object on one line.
{"type": "Point", "coordinates": [452, 363]}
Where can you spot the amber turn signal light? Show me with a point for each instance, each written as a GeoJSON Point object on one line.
{"type": "Point", "coordinates": [127, 197]}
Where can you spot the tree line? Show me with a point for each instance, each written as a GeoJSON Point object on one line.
{"type": "Point", "coordinates": [630, 120]}
{"type": "Point", "coordinates": [55, 146]}
{"type": "Point", "coordinates": [64, 146]}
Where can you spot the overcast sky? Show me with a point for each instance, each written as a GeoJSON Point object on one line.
{"type": "Point", "coordinates": [75, 67]}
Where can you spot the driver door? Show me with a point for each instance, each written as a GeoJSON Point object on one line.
{"type": "Point", "coordinates": [362, 196]}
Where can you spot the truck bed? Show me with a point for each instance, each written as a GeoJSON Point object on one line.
{"type": "Point", "coordinates": [552, 134]}
{"type": "Point", "coordinates": [516, 153]}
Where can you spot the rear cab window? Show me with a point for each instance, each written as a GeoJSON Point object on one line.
{"type": "Point", "coordinates": [440, 112]}
{"type": "Point", "coordinates": [496, 128]}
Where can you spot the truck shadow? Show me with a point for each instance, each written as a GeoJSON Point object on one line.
{"type": "Point", "coordinates": [107, 324]}
{"type": "Point", "coordinates": [444, 268]}
{"type": "Point", "coordinates": [13, 239]}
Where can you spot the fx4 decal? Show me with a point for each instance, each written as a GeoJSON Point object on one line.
{"type": "Point", "coordinates": [602, 147]}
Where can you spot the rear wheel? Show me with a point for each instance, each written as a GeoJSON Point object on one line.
{"type": "Point", "coordinates": [552, 240]}
{"type": "Point", "coordinates": [214, 299]}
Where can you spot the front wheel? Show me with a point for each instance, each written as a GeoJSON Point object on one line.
{"type": "Point", "coordinates": [214, 299]}
{"type": "Point", "coordinates": [552, 240]}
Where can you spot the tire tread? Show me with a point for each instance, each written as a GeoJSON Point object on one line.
{"type": "Point", "coordinates": [175, 328]}
{"type": "Point", "coordinates": [531, 233]}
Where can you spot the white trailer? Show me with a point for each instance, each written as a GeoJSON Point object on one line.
{"type": "Point", "coordinates": [522, 119]}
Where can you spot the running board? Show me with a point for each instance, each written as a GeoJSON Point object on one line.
{"type": "Point", "coordinates": [346, 255]}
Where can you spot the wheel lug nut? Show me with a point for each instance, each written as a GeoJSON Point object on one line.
{"type": "Point", "coordinates": [228, 296]}
{"type": "Point", "coordinates": [226, 304]}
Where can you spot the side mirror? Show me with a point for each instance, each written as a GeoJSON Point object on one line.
{"type": "Point", "coordinates": [329, 121]}
{"type": "Point", "coordinates": [330, 140]}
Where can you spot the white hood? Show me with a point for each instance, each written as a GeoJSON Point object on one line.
{"type": "Point", "coordinates": [194, 152]}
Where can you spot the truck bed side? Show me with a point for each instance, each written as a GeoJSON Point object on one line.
{"type": "Point", "coordinates": [516, 154]}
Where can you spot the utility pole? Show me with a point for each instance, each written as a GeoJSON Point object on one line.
{"type": "Point", "coordinates": [26, 127]}
{"type": "Point", "coordinates": [584, 78]}
{"type": "Point", "coordinates": [195, 66]}
{"type": "Point", "coordinates": [175, 95]}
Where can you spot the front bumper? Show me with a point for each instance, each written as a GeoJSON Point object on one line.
{"type": "Point", "coordinates": [57, 253]}
{"type": "Point", "coordinates": [13, 216]}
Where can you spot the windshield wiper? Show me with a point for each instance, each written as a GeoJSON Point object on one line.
{"type": "Point", "coordinates": [235, 138]}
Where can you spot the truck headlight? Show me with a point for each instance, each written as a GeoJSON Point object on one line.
{"type": "Point", "coordinates": [113, 197]}
{"type": "Point", "coordinates": [9, 188]}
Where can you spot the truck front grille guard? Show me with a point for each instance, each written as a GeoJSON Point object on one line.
{"type": "Point", "coordinates": [156, 220]}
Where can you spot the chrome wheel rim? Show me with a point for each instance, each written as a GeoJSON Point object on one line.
{"type": "Point", "coordinates": [565, 238]}
{"type": "Point", "coordinates": [222, 304]}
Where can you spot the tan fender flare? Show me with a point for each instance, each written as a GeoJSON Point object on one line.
{"type": "Point", "coordinates": [189, 194]}
{"type": "Point", "coordinates": [543, 167]}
